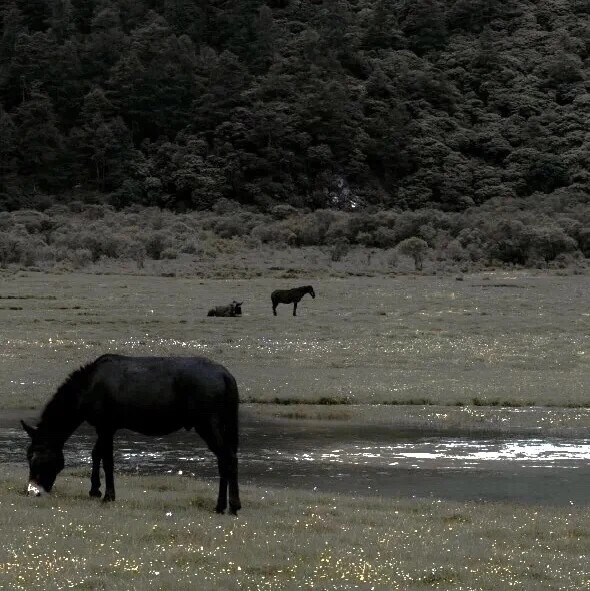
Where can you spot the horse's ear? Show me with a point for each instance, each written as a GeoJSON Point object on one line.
{"type": "Point", "coordinates": [31, 431]}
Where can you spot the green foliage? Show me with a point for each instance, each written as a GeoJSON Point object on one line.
{"type": "Point", "coordinates": [414, 247]}
{"type": "Point", "coordinates": [339, 250]}
{"type": "Point", "coordinates": [529, 231]}
{"type": "Point", "coordinates": [423, 23]}
{"type": "Point", "coordinates": [39, 141]}
{"type": "Point", "coordinates": [335, 104]}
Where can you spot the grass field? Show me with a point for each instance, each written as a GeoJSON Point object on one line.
{"type": "Point", "coordinates": [490, 339]}
{"type": "Point", "coordinates": [453, 351]}
{"type": "Point", "coordinates": [162, 534]}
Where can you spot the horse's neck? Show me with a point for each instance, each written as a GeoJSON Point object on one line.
{"type": "Point", "coordinates": [60, 431]}
{"type": "Point", "coordinates": [59, 420]}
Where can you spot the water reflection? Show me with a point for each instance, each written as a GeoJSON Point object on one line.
{"type": "Point", "coordinates": [152, 454]}
{"type": "Point", "coordinates": [368, 462]}
{"type": "Point", "coordinates": [461, 454]}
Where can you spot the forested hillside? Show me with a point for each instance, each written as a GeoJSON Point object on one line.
{"type": "Point", "coordinates": [311, 103]}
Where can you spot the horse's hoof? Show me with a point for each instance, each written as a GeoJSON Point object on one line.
{"type": "Point", "coordinates": [234, 507]}
{"type": "Point", "coordinates": [219, 510]}
{"type": "Point", "coordinates": [95, 493]}
{"type": "Point", "coordinates": [108, 498]}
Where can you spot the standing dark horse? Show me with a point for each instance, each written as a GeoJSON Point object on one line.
{"type": "Point", "coordinates": [290, 296]}
{"type": "Point", "coordinates": [149, 395]}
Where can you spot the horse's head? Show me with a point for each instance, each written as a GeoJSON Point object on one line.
{"type": "Point", "coordinates": [311, 291]}
{"type": "Point", "coordinates": [237, 308]}
{"type": "Point", "coordinates": [46, 461]}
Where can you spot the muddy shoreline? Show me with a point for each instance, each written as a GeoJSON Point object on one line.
{"type": "Point", "coordinates": [400, 420]}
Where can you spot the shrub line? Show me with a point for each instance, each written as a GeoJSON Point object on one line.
{"type": "Point", "coordinates": [346, 401]}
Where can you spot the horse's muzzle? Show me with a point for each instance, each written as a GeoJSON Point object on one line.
{"type": "Point", "coordinates": [36, 490]}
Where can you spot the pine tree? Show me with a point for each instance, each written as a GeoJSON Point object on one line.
{"type": "Point", "coordinates": [39, 141]}
{"type": "Point", "coordinates": [424, 25]}
{"type": "Point", "coordinates": [8, 150]}
{"type": "Point", "coordinates": [101, 142]}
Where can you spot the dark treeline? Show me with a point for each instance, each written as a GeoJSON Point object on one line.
{"type": "Point", "coordinates": [443, 104]}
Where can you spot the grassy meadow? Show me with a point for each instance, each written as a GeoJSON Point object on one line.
{"type": "Point", "coordinates": [438, 351]}
{"type": "Point", "coordinates": [488, 339]}
{"type": "Point", "coordinates": [162, 534]}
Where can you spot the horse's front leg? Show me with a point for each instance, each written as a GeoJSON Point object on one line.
{"type": "Point", "coordinates": [222, 495]}
{"type": "Point", "coordinates": [234, 492]}
{"type": "Point", "coordinates": [106, 440]}
{"type": "Point", "coordinates": [294, 308]}
{"type": "Point", "coordinates": [95, 476]}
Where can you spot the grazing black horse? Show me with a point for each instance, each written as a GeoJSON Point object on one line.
{"type": "Point", "coordinates": [231, 310]}
{"type": "Point", "coordinates": [290, 296]}
{"type": "Point", "coordinates": [149, 395]}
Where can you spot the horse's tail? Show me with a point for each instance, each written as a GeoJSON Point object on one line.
{"type": "Point", "coordinates": [230, 412]}
{"type": "Point", "coordinates": [211, 312]}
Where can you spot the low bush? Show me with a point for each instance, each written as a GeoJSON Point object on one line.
{"type": "Point", "coordinates": [539, 230]}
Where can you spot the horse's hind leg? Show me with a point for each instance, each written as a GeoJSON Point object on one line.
{"type": "Point", "coordinates": [294, 308]}
{"type": "Point", "coordinates": [95, 476]}
{"type": "Point", "coordinates": [105, 446]}
{"type": "Point", "coordinates": [228, 476]}
{"type": "Point", "coordinates": [227, 464]}
{"type": "Point", "coordinates": [234, 491]}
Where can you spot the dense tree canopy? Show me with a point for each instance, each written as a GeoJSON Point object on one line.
{"type": "Point", "coordinates": [310, 103]}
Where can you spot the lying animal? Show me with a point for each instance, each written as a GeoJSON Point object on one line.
{"type": "Point", "coordinates": [231, 310]}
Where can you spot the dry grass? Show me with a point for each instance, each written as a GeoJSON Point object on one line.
{"type": "Point", "coordinates": [162, 534]}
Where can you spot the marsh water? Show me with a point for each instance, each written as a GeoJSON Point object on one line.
{"type": "Point", "coordinates": [358, 460]}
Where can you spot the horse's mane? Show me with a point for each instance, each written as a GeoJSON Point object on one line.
{"type": "Point", "coordinates": [61, 410]}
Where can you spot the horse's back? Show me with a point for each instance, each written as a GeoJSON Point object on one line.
{"type": "Point", "coordinates": [288, 296]}
{"type": "Point", "coordinates": [158, 372]}
{"type": "Point", "coordinates": [282, 295]}
{"type": "Point", "coordinates": [161, 393]}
